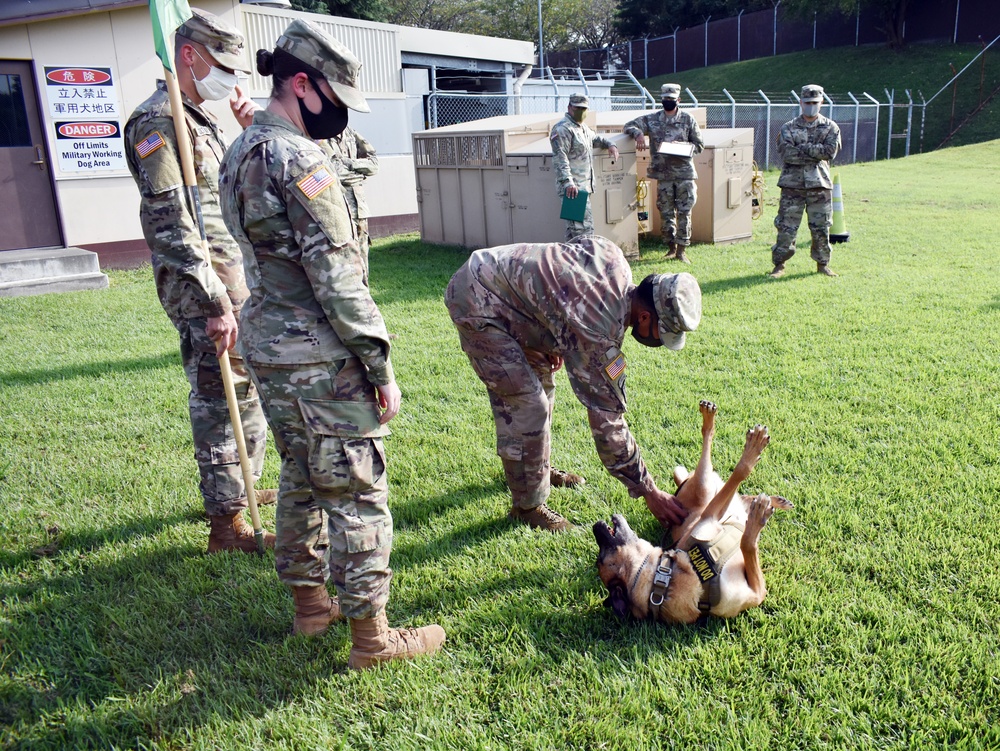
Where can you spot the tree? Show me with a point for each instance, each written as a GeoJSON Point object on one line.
{"type": "Point", "coordinates": [367, 10]}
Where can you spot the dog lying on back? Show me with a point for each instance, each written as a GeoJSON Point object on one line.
{"type": "Point", "coordinates": [712, 566]}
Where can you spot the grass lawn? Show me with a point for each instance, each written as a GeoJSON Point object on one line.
{"type": "Point", "coordinates": [880, 629]}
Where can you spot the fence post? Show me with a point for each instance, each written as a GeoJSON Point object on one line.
{"type": "Point", "coordinates": [954, 39]}
{"type": "Point", "coordinates": [739, 34]}
{"type": "Point", "coordinates": [878, 112]}
{"type": "Point", "coordinates": [706, 38]}
{"type": "Point", "coordinates": [555, 89]}
{"type": "Point", "coordinates": [732, 102]}
{"type": "Point", "coordinates": [857, 116]}
{"type": "Point", "coordinates": [857, 23]}
{"type": "Point", "coordinates": [923, 119]}
{"type": "Point", "coordinates": [586, 89]}
{"type": "Point", "coordinates": [675, 48]}
{"type": "Point", "coordinates": [645, 57]}
{"type": "Point", "coordinates": [909, 120]}
{"type": "Point", "coordinates": [814, 30]}
{"type": "Point", "coordinates": [774, 30]}
{"type": "Point", "coordinates": [888, 143]}
{"type": "Point", "coordinates": [767, 132]}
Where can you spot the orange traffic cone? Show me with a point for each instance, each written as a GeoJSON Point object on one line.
{"type": "Point", "coordinates": [838, 231]}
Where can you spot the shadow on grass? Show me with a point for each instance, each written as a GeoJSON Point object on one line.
{"type": "Point", "coordinates": [92, 370]}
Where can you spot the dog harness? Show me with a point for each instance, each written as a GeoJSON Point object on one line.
{"type": "Point", "coordinates": [707, 558]}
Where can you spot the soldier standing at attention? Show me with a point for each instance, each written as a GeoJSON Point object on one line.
{"type": "Point", "coordinates": [317, 347]}
{"type": "Point", "coordinates": [200, 283]}
{"type": "Point", "coordinates": [807, 145]}
{"type": "Point", "coordinates": [355, 161]}
{"type": "Point", "coordinates": [522, 311]}
{"type": "Point", "coordinates": [573, 159]}
{"type": "Point", "coordinates": [676, 190]}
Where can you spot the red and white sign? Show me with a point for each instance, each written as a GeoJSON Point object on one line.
{"type": "Point", "coordinates": [85, 109]}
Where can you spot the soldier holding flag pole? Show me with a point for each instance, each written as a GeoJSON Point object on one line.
{"type": "Point", "coordinates": [173, 144]}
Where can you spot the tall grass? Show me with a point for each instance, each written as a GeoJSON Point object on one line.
{"type": "Point", "coordinates": [879, 631]}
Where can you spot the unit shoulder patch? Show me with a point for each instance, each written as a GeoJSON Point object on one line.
{"type": "Point", "coordinates": [149, 144]}
{"type": "Point", "coordinates": [316, 182]}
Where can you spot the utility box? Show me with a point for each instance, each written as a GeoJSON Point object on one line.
{"type": "Point", "coordinates": [724, 210]}
{"type": "Point", "coordinates": [491, 182]}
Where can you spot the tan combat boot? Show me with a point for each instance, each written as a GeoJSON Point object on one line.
{"type": "Point", "coordinates": [822, 268]}
{"type": "Point", "coordinates": [779, 270]}
{"type": "Point", "coordinates": [540, 517]}
{"type": "Point", "coordinates": [680, 255]}
{"type": "Point", "coordinates": [231, 532]}
{"type": "Point", "coordinates": [559, 478]}
{"type": "Point", "coordinates": [672, 250]}
{"type": "Point", "coordinates": [315, 610]}
{"type": "Point", "coordinates": [374, 642]}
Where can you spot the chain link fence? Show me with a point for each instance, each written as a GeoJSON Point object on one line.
{"type": "Point", "coordinates": [903, 123]}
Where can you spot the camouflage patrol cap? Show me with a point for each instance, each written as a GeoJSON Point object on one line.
{"type": "Point", "coordinates": [579, 100]}
{"type": "Point", "coordinates": [670, 90]}
{"type": "Point", "coordinates": [677, 298]}
{"type": "Point", "coordinates": [337, 64]}
{"type": "Point", "coordinates": [811, 93]}
{"type": "Point", "coordinates": [223, 42]}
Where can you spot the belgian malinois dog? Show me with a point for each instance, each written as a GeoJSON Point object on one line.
{"type": "Point", "coordinates": [710, 564]}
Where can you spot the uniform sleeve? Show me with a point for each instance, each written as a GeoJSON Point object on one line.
{"type": "Point", "coordinates": [334, 264]}
{"type": "Point", "coordinates": [637, 127]}
{"type": "Point", "coordinates": [829, 147]}
{"type": "Point", "coordinates": [170, 229]}
{"type": "Point", "coordinates": [694, 136]}
{"type": "Point", "coordinates": [619, 452]}
{"type": "Point", "coordinates": [788, 151]}
{"type": "Point", "coordinates": [366, 163]}
{"type": "Point", "coordinates": [601, 142]}
{"type": "Point", "coordinates": [560, 157]}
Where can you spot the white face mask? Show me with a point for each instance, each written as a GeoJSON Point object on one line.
{"type": "Point", "coordinates": [810, 110]}
{"type": "Point", "coordinates": [216, 85]}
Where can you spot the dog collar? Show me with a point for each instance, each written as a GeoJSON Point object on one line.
{"type": "Point", "coordinates": [661, 580]}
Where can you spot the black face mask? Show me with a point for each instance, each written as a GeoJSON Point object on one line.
{"type": "Point", "coordinates": [646, 341]}
{"type": "Point", "coordinates": [669, 105]}
{"type": "Point", "coordinates": [330, 121]}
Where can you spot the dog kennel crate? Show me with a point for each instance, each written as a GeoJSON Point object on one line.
{"type": "Point", "coordinates": [491, 182]}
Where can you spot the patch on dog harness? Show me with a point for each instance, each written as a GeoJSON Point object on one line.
{"type": "Point", "coordinates": [149, 144]}
{"type": "Point", "coordinates": [708, 559]}
{"type": "Point", "coordinates": [316, 182]}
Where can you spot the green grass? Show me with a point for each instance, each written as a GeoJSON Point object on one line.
{"type": "Point", "coordinates": [879, 630]}
{"type": "Point", "coordinates": [923, 69]}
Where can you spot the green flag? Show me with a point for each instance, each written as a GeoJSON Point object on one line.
{"type": "Point", "coordinates": [167, 15]}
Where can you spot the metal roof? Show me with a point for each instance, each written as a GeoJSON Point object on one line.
{"type": "Point", "coordinates": [28, 11]}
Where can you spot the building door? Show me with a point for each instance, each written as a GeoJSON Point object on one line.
{"type": "Point", "coordinates": [28, 218]}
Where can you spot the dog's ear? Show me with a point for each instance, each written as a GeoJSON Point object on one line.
{"type": "Point", "coordinates": [617, 599]}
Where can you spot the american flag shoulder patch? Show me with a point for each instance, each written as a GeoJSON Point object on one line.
{"type": "Point", "coordinates": [316, 182]}
{"type": "Point", "coordinates": [616, 367]}
{"type": "Point", "coordinates": [149, 144]}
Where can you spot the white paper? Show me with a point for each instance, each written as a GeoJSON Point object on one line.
{"type": "Point", "coordinates": [676, 149]}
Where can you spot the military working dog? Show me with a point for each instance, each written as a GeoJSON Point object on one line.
{"type": "Point", "coordinates": [709, 564]}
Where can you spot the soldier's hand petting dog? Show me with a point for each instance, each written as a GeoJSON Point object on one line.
{"type": "Point", "coordinates": [666, 508]}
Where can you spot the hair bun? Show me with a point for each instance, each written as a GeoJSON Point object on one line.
{"type": "Point", "coordinates": [265, 62]}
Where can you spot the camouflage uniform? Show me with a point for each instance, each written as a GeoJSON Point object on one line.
{"type": "Point", "coordinates": [356, 161]}
{"type": "Point", "coordinates": [807, 150]}
{"type": "Point", "coordinates": [196, 282]}
{"type": "Point", "coordinates": [573, 146]}
{"type": "Point", "coordinates": [676, 189]}
{"type": "Point", "coordinates": [316, 346]}
{"type": "Point", "coordinates": [515, 304]}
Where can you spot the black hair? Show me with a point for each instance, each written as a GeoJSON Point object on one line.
{"type": "Point", "coordinates": [283, 66]}
{"type": "Point", "coordinates": [644, 294]}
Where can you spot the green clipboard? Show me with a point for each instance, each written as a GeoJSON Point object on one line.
{"type": "Point", "coordinates": [574, 209]}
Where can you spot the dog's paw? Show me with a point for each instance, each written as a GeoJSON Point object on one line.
{"type": "Point", "coordinates": [760, 510]}
{"type": "Point", "coordinates": [777, 502]}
